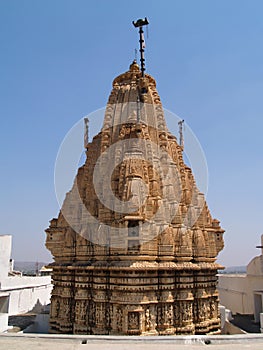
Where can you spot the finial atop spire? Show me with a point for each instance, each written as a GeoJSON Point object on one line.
{"type": "Point", "coordinates": [86, 132]}
{"type": "Point", "coordinates": [134, 66]}
{"type": "Point", "coordinates": [140, 23]}
{"type": "Point", "coordinates": [180, 123]}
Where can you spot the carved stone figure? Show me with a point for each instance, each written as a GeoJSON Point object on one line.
{"type": "Point", "coordinates": [119, 319]}
{"type": "Point", "coordinates": [133, 321]}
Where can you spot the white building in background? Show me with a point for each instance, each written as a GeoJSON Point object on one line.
{"type": "Point", "coordinates": [19, 294]}
{"type": "Point", "coordinates": [243, 293]}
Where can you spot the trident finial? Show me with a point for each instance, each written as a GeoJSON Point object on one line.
{"type": "Point", "coordinates": [140, 23]}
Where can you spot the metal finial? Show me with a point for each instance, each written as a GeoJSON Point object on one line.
{"type": "Point", "coordinates": [86, 132]}
{"type": "Point", "coordinates": [139, 24]}
{"type": "Point", "coordinates": [180, 123]}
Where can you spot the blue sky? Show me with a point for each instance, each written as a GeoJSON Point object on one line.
{"type": "Point", "coordinates": [58, 59]}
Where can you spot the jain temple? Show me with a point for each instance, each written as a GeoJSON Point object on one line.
{"type": "Point", "coordinates": [134, 244]}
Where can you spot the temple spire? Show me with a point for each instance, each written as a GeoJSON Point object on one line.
{"type": "Point", "coordinates": [139, 24]}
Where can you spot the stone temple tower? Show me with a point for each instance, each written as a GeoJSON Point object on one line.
{"type": "Point", "coordinates": [134, 244]}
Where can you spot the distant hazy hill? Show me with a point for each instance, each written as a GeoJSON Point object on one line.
{"type": "Point", "coordinates": [234, 269]}
{"type": "Point", "coordinates": [28, 267]}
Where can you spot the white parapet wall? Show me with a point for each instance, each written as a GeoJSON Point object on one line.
{"type": "Point", "coordinates": [4, 304]}
{"type": "Point", "coordinates": [19, 294]}
{"type": "Point", "coordinates": [5, 254]}
{"type": "Point", "coordinates": [234, 293]}
{"type": "Point", "coordinates": [22, 294]}
{"type": "Point", "coordinates": [27, 293]}
{"type": "Point", "coordinates": [243, 293]}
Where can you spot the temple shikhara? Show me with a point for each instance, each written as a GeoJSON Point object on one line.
{"type": "Point", "coordinates": [134, 244]}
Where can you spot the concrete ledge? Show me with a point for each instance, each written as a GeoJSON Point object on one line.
{"type": "Point", "coordinates": [79, 342]}
{"type": "Point", "coordinates": [191, 339]}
